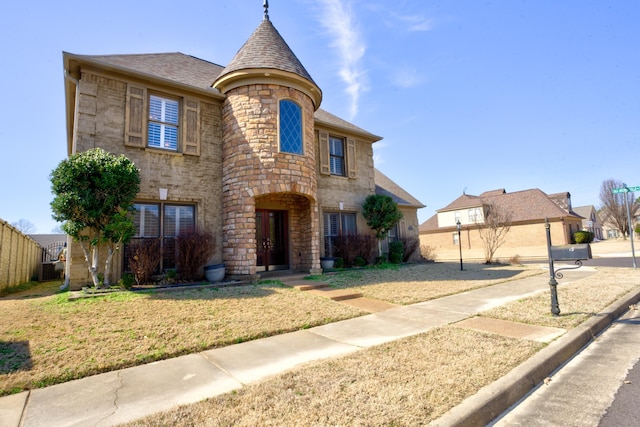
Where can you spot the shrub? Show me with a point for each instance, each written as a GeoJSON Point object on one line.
{"type": "Point", "coordinates": [338, 263]}
{"type": "Point", "coordinates": [127, 281]}
{"type": "Point", "coordinates": [193, 251]}
{"type": "Point", "coordinates": [583, 236]}
{"type": "Point", "coordinates": [396, 252]}
{"type": "Point", "coordinates": [428, 252]}
{"type": "Point", "coordinates": [359, 262]}
{"type": "Point", "coordinates": [411, 244]}
{"type": "Point", "coordinates": [515, 260]}
{"type": "Point", "coordinates": [352, 246]}
{"type": "Point", "coordinates": [144, 258]}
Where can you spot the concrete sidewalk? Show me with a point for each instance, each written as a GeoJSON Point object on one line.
{"type": "Point", "coordinates": [120, 396]}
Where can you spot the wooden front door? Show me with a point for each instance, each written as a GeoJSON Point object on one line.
{"type": "Point", "coordinates": [272, 240]}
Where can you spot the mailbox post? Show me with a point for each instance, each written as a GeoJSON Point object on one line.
{"type": "Point", "coordinates": [575, 253]}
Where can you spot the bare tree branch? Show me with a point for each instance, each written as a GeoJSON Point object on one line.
{"type": "Point", "coordinates": [493, 231]}
{"type": "Point", "coordinates": [613, 209]}
{"type": "Point", "coordinates": [24, 226]}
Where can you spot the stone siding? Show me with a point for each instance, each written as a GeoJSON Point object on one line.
{"type": "Point", "coordinates": [253, 166]}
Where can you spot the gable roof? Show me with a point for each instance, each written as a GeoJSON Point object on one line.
{"type": "Point", "coordinates": [585, 211]}
{"type": "Point", "coordinates": [385, 186]}
{"type": "Point", "coordinates": [526, 205]}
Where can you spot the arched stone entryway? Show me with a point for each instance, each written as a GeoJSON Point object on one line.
{"type": "Point", "coordinates": [286, 232]}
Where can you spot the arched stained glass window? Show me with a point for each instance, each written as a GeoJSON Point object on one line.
{"type": "Point", "coordinates": [290, 127]}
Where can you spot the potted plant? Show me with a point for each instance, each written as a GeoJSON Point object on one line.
{"type": "Point", "coordinates": [327, 262]}
{"type": "Point", "coordinates": [214, 272]}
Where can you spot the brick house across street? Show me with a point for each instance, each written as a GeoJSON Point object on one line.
{"type": "Point", "coordinates": [243, 151]}
{"type": "Point", "coordinates": [527, 209]}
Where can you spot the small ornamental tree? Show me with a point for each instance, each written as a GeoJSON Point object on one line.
{"type": "Point", "coordinates": [382, 214]}
{"type": "Point", "coordinates": [493, 230]}
{"type": "Point", "coordinates": [93, 196]}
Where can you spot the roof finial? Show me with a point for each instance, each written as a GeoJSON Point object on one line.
{"type": "Point", "coordinates": [265, 4]}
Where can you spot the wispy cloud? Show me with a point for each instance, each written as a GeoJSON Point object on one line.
{"type": "Point", "coordinates": [415, 22]}
{"type": "Point", "coordinates": [338, 20]}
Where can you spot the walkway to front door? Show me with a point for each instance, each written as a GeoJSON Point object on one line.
{"type": "Point", "coordinates": [272, 240]}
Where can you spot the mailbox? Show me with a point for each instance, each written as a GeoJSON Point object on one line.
{"type": "Point", "coordinates": [571, 252]}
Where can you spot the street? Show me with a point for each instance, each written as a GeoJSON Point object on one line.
{"type": "Point", "coordinates": [598, 387]}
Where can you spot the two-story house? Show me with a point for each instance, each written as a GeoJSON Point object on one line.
{"type": "Point", "coordinates": [243, 151]}
{"type": "Point", "coordinates": [525, 210]}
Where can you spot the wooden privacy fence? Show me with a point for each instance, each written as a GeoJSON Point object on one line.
{"type": "Point", "coordinates": [19, 257]}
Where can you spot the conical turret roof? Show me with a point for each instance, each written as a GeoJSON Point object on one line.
{"type": "Point", "coordinates": [264, 53]}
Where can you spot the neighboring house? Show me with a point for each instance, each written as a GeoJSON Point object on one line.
{"type": "Point", "coordinates": [610, 229]}
{"type": "Point", "coordinates": [528, 210]}
{"type": "Point", "coordinates": [243, 151]}
{"type": "Point", "coordinates": [591, 222]}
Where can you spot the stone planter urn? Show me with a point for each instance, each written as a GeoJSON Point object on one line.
{"type": "Point", "coordinates": [214, 273]}
{"type": "Point", "coordinates": [327, 263]}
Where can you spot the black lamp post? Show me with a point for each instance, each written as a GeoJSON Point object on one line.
{"type": "Point", "coordinates": [459, 227]}
{"type": "Point", "coordinates": [553, 284]}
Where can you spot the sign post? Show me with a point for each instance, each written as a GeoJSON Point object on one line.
{"type": "Point", "coordinates": [626, 189]}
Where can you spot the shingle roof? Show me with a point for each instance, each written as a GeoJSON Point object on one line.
{"type": "Point", "coordinates": [385, 186]}
{"type": "Point", "coordinates": [324, 117]}
{"type": "Point", "coordinates": [526, 205]}
{"type": "Point", "coordinates": [584, 211]}
{"type": "Point", "coordinates": [266, 48]}
{"type": "Point", "coordinates": [174, 66]}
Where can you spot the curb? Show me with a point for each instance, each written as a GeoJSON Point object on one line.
{"type": "Point", "coordinates": [492, 400]}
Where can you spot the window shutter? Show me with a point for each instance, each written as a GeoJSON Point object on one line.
{"type": "Point", "coordinates": [134, 116]}
{"type": "Point", "coordinates": [191, 127]}
{"type": "Point", "coordinates": [323, 143]}
{"type": "Point", "coordinates": [351, 158]}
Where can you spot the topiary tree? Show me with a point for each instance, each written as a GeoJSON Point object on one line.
{"type": "Point", "coordinates": [583, 236]}
{"type": "Point", "coordinates": [381, 213]}
{"type": "Point", "coordinates": [93, 196]}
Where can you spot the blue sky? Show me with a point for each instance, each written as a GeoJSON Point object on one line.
{"type": "Point", "coordinates": [469, 95]}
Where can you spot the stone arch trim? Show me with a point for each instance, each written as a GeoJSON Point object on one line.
{"type": "Point", "coordinates": [291, 188]}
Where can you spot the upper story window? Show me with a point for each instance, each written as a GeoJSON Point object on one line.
{"type": "Point", "coordinates": [336, 156]}
{"type": "Point", "coordinates": [163, 123]}
{"type": "Point", "coordinates": [475, 214]}
{"type": "Point", "coordinates": [290, 127]}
